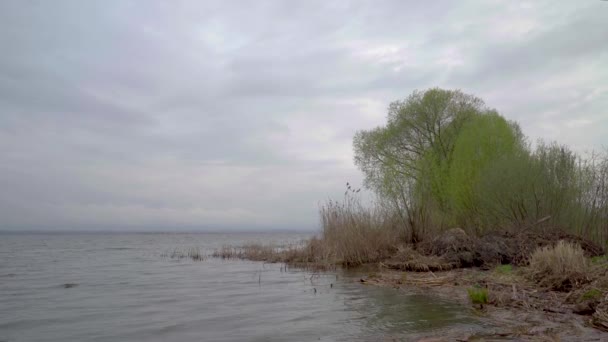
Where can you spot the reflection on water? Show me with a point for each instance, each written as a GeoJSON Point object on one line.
{"type": "Point", "coordinates": [113, 287]}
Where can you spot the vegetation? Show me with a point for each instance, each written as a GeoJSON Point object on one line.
{"type": "Point", "coordinates": [600, 259]}
{"type": "Point", "coordinates": [193, 253]}
{"type": "Point", "coordinates": [504, 269]}
{"type": "Point", "coordinates": [560, 267]}
{"type": "Point", "coordinates": [444, 159]}
{"type": "Point", "coordinates": [478, 295]}
{"type": "Point", "coordinates": [354, 234]}
{"type": "Point", "coordinates": [308, 254]}
{"type": "Point", "coordinates": [456, 185]}
{"type": "Point", "coordinates": [591, 294]}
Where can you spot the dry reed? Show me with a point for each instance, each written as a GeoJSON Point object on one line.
{"type": "Point", "coordinates": [559, 267]}
{"type": "Point", "coordinates": [355, 234]}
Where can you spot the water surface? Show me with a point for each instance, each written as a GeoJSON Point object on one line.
{"type": "Point", "coordinates": [122, 288]}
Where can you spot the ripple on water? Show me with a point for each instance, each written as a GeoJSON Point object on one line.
{"type": "Point", "coordinates": [127, 291]}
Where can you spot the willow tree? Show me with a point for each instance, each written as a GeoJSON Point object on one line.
{"type": "Point", "coordinates": [444, 159]}
{"type": "Point", "coordinates": [482, 142]}
{"type": "Point", "coordinates": [407, 160]}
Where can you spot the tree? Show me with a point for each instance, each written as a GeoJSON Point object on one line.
{"type": "Point", "coordinates": [482, 141]}
{"type": "Point", "coordinates": [443, 159]}
{"type": "Point", "coordinates": [419, 137]}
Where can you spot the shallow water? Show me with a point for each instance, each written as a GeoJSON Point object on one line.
{"type": "Point", "coordinates": [122, 288]}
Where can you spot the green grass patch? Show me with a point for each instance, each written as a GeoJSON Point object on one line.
{"type": "Point", "coordinates": [602, 259]}
{"type": "Point", "coordinates": [478, 295]}
{"type": "Point", "coordinates": [504, 269]}
{"type": "Point", "coordinates": [591, 294]}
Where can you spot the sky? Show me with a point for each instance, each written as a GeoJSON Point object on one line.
{"type": "Point", "coordinates": [219, 115]}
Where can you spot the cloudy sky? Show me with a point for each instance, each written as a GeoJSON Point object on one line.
{"type": "Point", "coordinates": [240, 114]}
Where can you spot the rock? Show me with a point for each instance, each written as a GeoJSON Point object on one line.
{"type": "Point", "coordinates": [69, 285]}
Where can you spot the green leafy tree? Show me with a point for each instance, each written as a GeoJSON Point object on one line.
{"type": "Point", "coordinates": [445, 159]}
{"type": "Point", "coordinates": [482, 141]}
{"type": "Point", "coordinates": [419, 137]}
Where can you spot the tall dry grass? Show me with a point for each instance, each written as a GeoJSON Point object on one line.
{"type": "Point", "coordinates": [559, 267]}
{"type": "Point", "coordinates": [253, 251]}
{"type": "Point", "coordinates": [354, 233]}
{"type": "Point", "coordinates": [306, 254]}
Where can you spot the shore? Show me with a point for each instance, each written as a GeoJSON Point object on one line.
{"type": "Point", "coordinates": [525, 286]}
{"type": "Point", "coordinates": [516, 309]}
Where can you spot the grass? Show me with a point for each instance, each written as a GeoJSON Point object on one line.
{"type": "Point", "coordinates": [591, 294]}
{"type": "Point", "coordinates": [254, 252]}
{"type": "Point", "coordinates": [478, 295]}
{"type": "Point", "coordinates": [354, 234]}
{"type": "Point", "coordinates": [560, 267]}
{"type": "Point", "coordinates": [306, 254]}
{"type": "Point", "coordinates": [602, 259]}
{"type": "Point", "coordinates": [504, 269]}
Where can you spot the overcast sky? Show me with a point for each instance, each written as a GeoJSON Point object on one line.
{"type": "Point", "coordinates": [240, 114]}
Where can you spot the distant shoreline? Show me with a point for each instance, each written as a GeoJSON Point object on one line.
{"type": "Point", "coordinates": [75, 231]}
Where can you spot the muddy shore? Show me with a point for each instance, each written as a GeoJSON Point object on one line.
{"type": "Point", "coordinates": [516, 311]}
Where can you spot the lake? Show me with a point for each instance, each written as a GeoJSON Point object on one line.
{"type": "Point", "coordinates": [124, 287]}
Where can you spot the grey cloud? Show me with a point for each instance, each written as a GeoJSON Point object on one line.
{"type": "Point", "coordinates": [578, 40]}
{"type": "Point", "coordinates": [240, 114]}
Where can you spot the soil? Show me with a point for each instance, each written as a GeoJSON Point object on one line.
{"type": "Point", "coordinates": [498, 247]}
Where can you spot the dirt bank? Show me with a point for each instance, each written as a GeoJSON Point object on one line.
{"type": "Point", "coordinates": [498, 247]}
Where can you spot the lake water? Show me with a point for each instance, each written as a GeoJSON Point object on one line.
{"type": "Point", "coordinates": [125, 288]}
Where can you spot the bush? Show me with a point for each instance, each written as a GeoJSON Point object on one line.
{"type": "Point", "coordinates": [560, 267]}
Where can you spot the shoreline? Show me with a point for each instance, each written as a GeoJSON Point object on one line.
{"type": "Point", "coordinates": [527, 313]}
{"type": "Point", "coordinates": [530, 285]}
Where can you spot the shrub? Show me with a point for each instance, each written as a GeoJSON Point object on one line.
{"type": "Point", "coordinates": [560, 267]}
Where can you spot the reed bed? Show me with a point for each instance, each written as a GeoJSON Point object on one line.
{"type": "Point", "coordinates": [354, 234]}
{"type": "Point", "coordinates": [193, 253]}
